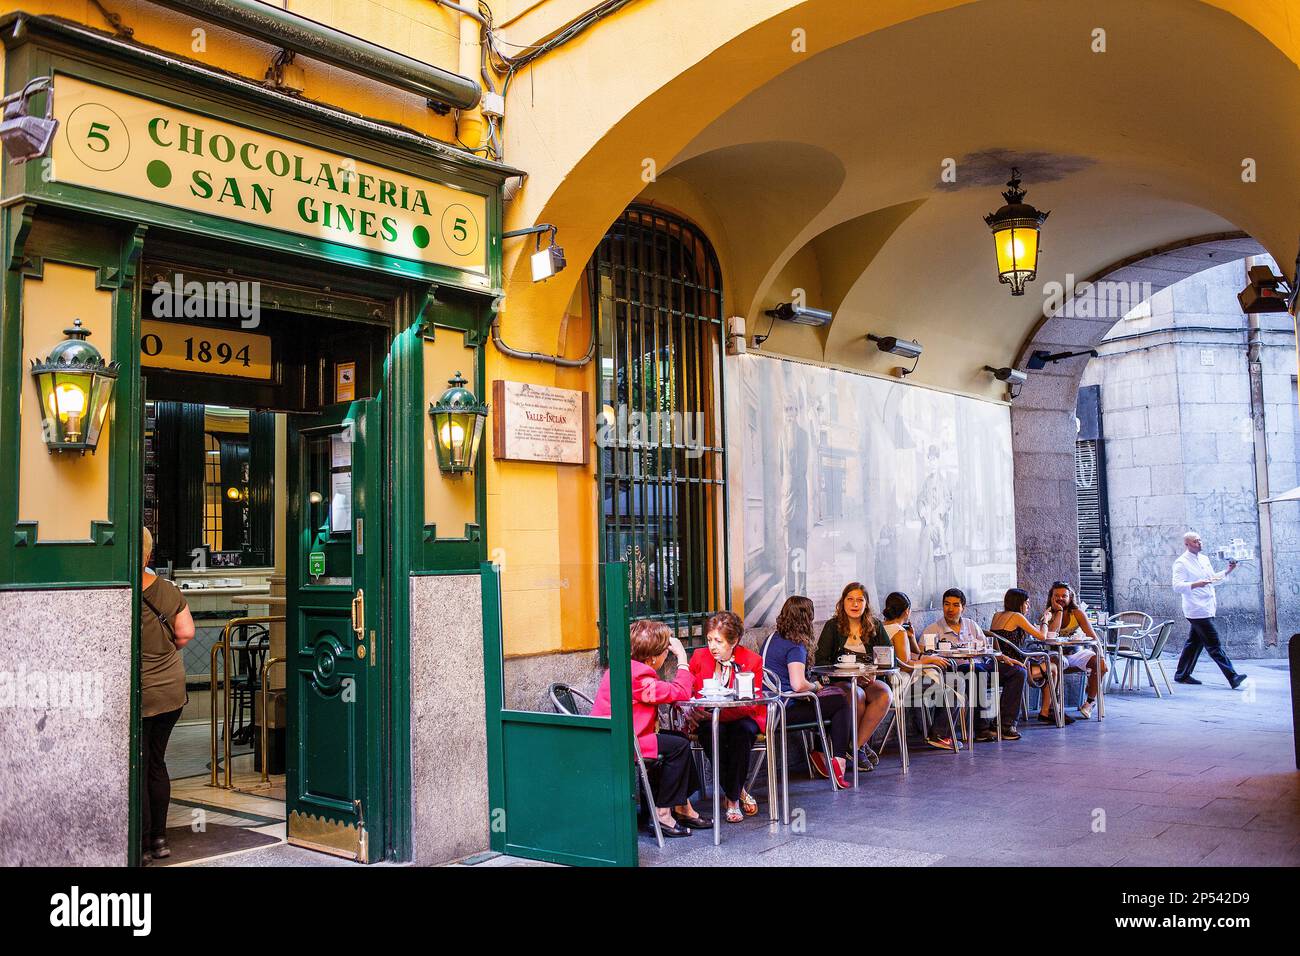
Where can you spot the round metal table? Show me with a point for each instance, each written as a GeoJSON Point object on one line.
{"type": "Point", "coordinates": [967, 654]}
{"type": "Point", "coordinates": [715, 706]}
{"type": "Point", "coordinates": [849, 678]}
{"type": "Point", "coordinates": [1058, 647]}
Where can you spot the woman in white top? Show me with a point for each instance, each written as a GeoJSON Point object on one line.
{"type": "Point", "coordinates": [1064, 617]}
{"type": "Point", "coordinates": [897, 613]}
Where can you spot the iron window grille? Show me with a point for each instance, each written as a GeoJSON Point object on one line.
{"type": "Point", "coordinates": [656, 289]}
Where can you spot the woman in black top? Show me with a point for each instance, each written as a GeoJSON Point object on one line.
{"type": "Point", "coordinates": [855, 630]}
{"type": "Point", "coordinates": [1013, 625]}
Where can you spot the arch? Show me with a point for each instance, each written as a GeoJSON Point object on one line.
{"type": "Point", "coordinates": [1042, 417]}
{"type": "Point", "coordinates": [660, 85]}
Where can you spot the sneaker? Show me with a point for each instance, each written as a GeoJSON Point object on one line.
{"type": "Point", "coordinates": [1237, 681]}
{"type": "Point", "coordinates": [840, 764]}
{"type": "Point", "coordinates": [1186, 680]}
{"type": "Point", "coordinates": [939, 743]}
{"type": "Point", "coordinates": [818, 761]}
{"type": "Point", "coordinates": [1010, 733]}
{"type": "Point", "coordinates": [1050, 719]}
{"type": "Point", "coordinates": [1086, 709]}
{"type": "Point", "coordinates": [865, 764]}
{"type": "Point", "coordinates": [989, 735]}
{"type": "Point", "coordinates": [871, 755]}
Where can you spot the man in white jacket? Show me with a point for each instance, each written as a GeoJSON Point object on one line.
{"type": "Point", "coordinates": [1194, 580]}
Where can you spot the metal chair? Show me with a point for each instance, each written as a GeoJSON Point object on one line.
{"type": "Point", "coordinates": [246, 684]}
{"type": "Point", "coordinates": [566, 700]}
{"type": "Point", "coordinates": [773, 684]}
{"type": "Point", "coordinates": [1140, 651]}
{"type": "Point", "coordinates": [1029, 655]}
{"type": "Point", "coordinates": [937, 675]}
{"type": "Point", "coordinates": [1137, 624]}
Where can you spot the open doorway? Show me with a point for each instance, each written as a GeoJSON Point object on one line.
{"type": "Point", "coordinates": [264, 493]}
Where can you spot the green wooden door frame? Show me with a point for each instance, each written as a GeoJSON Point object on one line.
{"type": "Point", "coordinates": [560, 786]}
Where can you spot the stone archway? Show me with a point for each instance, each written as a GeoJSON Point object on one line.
{"type": "Point", "coordinates": [1043, 416]}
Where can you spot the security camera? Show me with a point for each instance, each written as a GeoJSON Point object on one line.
{"type": "Point", "coordinates": [800, 314]}
{"type": "Point", "coordinates": [1012, 376]}
{"type": "Point", "coordinates": [897, 346]}
{"type": "Point", "coordinates": [27, 137]}
{"type": "Point", "coordinates": [1265, 293]}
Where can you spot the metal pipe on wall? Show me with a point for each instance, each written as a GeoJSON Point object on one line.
{"type": "Point", "coordinates": [1255, 368]}
{"type": "Point", "coordinates": [298, 34]}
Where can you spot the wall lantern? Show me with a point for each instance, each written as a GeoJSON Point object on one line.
{"type": "Point", "coordinates": [458, 419]}
{"type": "Point", "coordinates": [75, 385]}
{"type": "Point", "coordinates": [1015, 236]}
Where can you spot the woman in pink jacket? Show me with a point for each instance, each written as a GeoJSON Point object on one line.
{"type": "Point", "coordinates": [674, 778]}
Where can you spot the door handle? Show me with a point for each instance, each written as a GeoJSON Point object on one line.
{"type": "Point", "coordinates": [359, 616]}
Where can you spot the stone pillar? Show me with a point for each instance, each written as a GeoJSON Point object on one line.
{"type": "Point", "coordinates": [449, 782]}
{"type": "Point", "coordinates": [65, 727]}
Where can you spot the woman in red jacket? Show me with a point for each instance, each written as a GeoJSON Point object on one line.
{"type": "Point", "coordinates": [739, 727]}
{"type": "Point", "coordinates": [674, 778]}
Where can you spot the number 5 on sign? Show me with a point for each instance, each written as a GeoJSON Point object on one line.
{"type": "Point", "coordinates": [204, 351]}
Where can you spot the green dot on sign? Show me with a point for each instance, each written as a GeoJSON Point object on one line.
{"type": "Point", "coordinates": [159, 173]}
{"type": "Point", "coordinates": [421, 236]}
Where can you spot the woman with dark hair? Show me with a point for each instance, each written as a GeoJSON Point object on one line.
{"type": "Point", "coordinates": [1064, 617]}
{"type": "Point", "coordinates": [854, 630]}
{"type": "Point", "coordinates": [1012, 625]}
{"type": "Point", "coordinates": [721, 659]}
{"type": "Point", "coordinates": [918, 666]}
{"type": "Point", "coordinates": [787, 654]}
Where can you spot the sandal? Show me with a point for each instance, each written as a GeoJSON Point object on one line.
{"type": "Point", "coordinates": [734, 815]}
{"type": "Point", "coordinates": [749, 805]}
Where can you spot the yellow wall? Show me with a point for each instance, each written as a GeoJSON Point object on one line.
{"type": "Point", "coordinates": [418, 28]}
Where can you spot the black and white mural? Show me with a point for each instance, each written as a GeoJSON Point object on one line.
{"type": "Point", "coordinates": [848, 477]}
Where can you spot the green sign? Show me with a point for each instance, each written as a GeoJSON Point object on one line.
{"type": "Point", "coordinates": [316, 563]}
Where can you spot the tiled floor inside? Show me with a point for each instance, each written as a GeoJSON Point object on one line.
{"type": "Point", "coordinates": [1205, 777]}
{"type": "Point", "coordinates": [253, 805]}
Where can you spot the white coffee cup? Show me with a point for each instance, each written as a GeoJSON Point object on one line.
{"type": "Point", "coordinates": [847, 659]}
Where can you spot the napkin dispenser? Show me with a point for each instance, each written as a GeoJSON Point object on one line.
{"type": "Point", "coordinates": [745, 685]}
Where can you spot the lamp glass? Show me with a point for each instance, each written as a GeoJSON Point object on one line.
{"type": "Point", "coordinates": [1017, 250]}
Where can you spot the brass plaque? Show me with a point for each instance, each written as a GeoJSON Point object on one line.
{"type": "Point", "coordinates": [328, 836]}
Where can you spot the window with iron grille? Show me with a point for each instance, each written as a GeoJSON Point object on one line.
{"type": "Point", "coordinates": [656, 288]}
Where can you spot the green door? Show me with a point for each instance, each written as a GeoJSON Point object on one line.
{"type": "Point", "coordinates": [334, 629]}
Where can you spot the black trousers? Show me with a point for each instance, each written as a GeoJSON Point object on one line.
{"type": "Point", "coordinates": [155, 785]}
{"type": "Point", "coordinates": [673, 777]}
{"type": "Point", "coordinates": [735, 740]}
{"type": "Point", "coordinates": [1011, 680]}
{"type": "Point", "coordinates": [1203, 635]}
{"type": "Point", "coordinates": [835, 709]}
